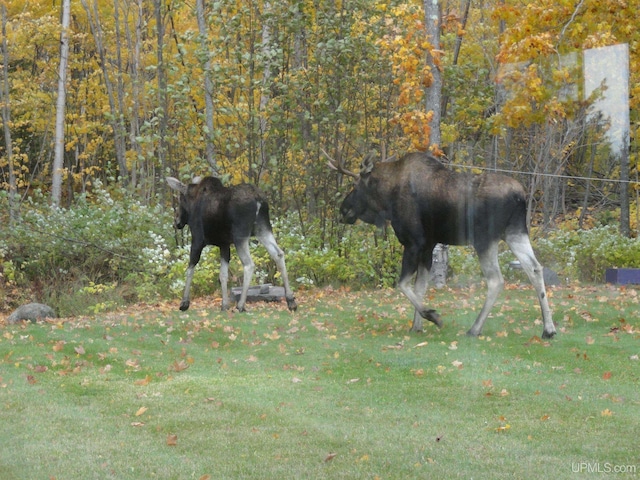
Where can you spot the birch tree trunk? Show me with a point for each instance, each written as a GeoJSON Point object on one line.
{"type": "Point", "coordinates": [434, 103]}
{"type": "Point", "coordinates": [58, 159]}
{"type": "Point", "coordinates": [162, 106]}
{"type": "Point", "coordinates": [117, 123]}
{"type": "Point", "coordinates": [266, 85]}
{"type": "Point", "coordinates": [433, 95]}
{"type": "Point", "coordinates": [6, 120]}
{"type": "Point", "coordinates": [208, 86]}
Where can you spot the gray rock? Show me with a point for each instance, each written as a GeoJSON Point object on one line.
{"type": "Point", "coordinates": [32, 312]}
{"type": "Point", "coordinates": [550, 277]}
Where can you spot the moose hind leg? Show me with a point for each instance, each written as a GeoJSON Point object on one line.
{"type": "Point", "coordinates": [495, 283]}
{"type": "Point", "coordinates": [268, 240]}
{"type": "Point", "coordinates": [520, 245]}
{"type": "Point", "coordinates": [225, 258]}
{"type": "Point", "coordinates": [248, 267]}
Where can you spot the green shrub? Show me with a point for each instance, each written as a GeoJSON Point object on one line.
{"type": "Point", "coordinates": [586, 254]}
{"type": "Point", "coordinates": [103, 252]}
{"type": "Point", "coordinates": [54, 254]}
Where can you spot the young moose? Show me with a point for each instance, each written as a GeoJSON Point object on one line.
{"type": "Point", "coordinates": [427, 204]}
{"type": "Point", "coordinates": [221, 216]}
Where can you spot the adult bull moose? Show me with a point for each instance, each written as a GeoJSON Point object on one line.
{"type": "Point", "coordinates": [221, 216]}
{"type": "Point", "coordinates": [427, 203]}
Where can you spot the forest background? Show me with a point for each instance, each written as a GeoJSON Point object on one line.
{"type": "Point", "coordinates": [255, 91]}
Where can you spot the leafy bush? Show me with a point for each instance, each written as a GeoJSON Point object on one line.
{"type": "Point", "coordinates": [586, 254]}
{"type": "Point", "coordinates": [110, 248]}
{"type": "Point", "coordinates": [114, 246]}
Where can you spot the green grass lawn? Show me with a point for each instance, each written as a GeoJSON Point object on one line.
{"type": "Point", "coordinates": [340, 389]}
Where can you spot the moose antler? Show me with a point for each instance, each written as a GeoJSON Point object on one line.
{"type": "Point", "coordinates": [338, 166]}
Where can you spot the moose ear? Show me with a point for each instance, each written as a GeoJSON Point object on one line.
{"type": "Point", "coordinates": [367, 164]}
{"type": "Point", "coordinates": [176, 184]}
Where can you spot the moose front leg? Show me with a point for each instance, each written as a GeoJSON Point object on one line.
{"type": "Point", "coordinates": [194, 258]}
{"type": "Point", "coordinates": [420, 288]}
{"type": "Point", "coordinates": [415, 295]}
{"type": "Point", "coordinates": [184, 304]}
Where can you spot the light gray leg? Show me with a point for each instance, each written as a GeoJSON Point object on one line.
{"type": "Point", "coordinates": [225, 257]}
{"type": "Point", "coordinates": [242, 247]}
{"type": "Point", "coordinates": [268, 240]}
{"type": "Point", "coordinates": [495, 284]}
{"type": "Point", "coordinates": [184, 304]}
{"type": "Point", "coordinates": [420, 289]}
{"type": "Point", "coordinates": [520, 245]}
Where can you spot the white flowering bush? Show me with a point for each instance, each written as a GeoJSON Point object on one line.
{"type": "Point", "coordinates": [99, 247]}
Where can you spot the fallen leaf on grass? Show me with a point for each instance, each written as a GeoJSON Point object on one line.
{"type": "Point", "coordinates": [330, 457]}
{"type": "Point", "coordinates": [31, 379]}
{"type": "Point", "coordinates": [141, 411]}
{"type": "Point", "coordinates": [172, 440]}
{"type": "Point", "coordinates": [179, 366]}
{"type": "Point", "coordinates": [144, 381]}
{"type": "Point", "coordinates": [205, 477]}
{"type": "Point", "coordinates": [79, 350]}
{"type": "Point", "coordinates": [606, 375]}
{"type": "Point", "coordinates": [58, 346]}
{"type": "Point", "coordinates": [137, 424]}
{"type": "Point", "coordinates": [606, 413]}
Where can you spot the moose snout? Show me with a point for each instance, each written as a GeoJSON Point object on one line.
{"type": "Point", "coordinates": [178, 223]}
{"type": "Point", "coordinates": [348, 216]}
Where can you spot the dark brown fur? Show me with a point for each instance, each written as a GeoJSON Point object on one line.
{"type": "Point", "coordinates": [428, 204]}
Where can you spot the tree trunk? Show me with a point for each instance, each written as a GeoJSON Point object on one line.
{"type": "Point", "coordinates": [134, 47]}
{"type": "Point", "coordinates": [434, 92]}
{"type": "Point", "coordinates": [6, 120]}
{"type": "Point", "coordinates": [163, 107]}
{"type": "Point", "coordinates": [117, 123]}
{"type": "Point", "coordinates": [265, 94]}
{"type": "Point", "coordinates": [58, 160]}
{"type": "Point", "coordinates": [434, 103]}
{"type": "Point", "coordinates": [208, 86]}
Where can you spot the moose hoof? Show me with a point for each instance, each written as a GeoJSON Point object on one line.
{"type": "Point", "coordinates": [546, 334]}
{"type": "Point", "coordinates": [184, 305]}
{"type": "Point", "coordinates": [417, 327]}
{"type": "Point", "coordinates": [291, 304]}
{"type": "Point", "coordinates": [434, 317]}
